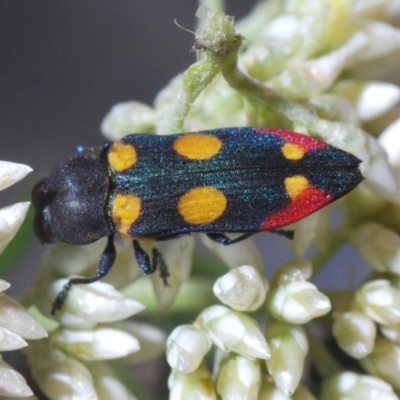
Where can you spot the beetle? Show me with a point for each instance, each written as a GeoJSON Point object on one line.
{"type": "Point", "coordinates": [151, 187]}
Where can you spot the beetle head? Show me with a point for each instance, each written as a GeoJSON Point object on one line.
{"type": "Point", "coordinates": [70, 204]}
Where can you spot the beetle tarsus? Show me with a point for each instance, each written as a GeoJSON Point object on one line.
{"type": "Point", "coordinates": [158, 261]}
{"type": "Point", "coordinates": [288, 234]}
{"type": "Point", "coordinates": [223, 239]}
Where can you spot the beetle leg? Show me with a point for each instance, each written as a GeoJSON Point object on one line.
{"type": "Point", "coordinates": [106, 262]}
{"type": "Point", "coordinates": [149, 267]}
{"type": "Point", "coordinates": [143, 259]}
{"type": "Point", "coordinates": [223, 239]}
{"type": "Point", "coordinates": [158, 260]}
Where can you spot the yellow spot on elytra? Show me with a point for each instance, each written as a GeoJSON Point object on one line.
{"type": "Point", "coordinates": [122, 156]}
{"type": "Point", "coordinates": [202, 205]}
{"type": "Point", "coordinates": [125, 211]}
{"type": "Point", "coordinates": [197, 146]}
{"type": "Point", "coordinates": [295, 185]}
{"type": "Point", "coordinates": [292, 151]}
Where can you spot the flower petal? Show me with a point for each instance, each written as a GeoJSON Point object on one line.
{"type": "Point", "coordinates": [11, 173]}
{"type": "Point", "coordinates": [10, 340]}
{"type": "Point", "coordinates": [11, 219]}
{"type": "Point", "coordinates": [15, 318]}
{"type": "Point", "coordinates": [13, 383]}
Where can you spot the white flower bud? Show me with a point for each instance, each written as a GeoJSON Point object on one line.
{"type": "Point", "coordinates": [239, 378]}
{"type": "Point", "coordinates": [11, 219]}
{"type": "Point", "coordinates": [126, 118]}
{"type": "Point", "coordinates": [97, 302]}
{"type": "Point", "coordinates": [355, 333]}
{"type": "Point", "coordinates": [16, 319]}
{"type": "Point", "coordinates": [242, 288]}
{"type": "Point", "coordinates": [59, 376]}
{"type": "Point", "coordinates": [289, 348]}
{"type": "Point", "coordinates": [196, 385]}
{"type": "Point", "coordinates": [107, 385]}
{"type": "Point", "coordinates": [218, 106]}
{"type": "Point", "coordinates": [380, 301]}
{"type": "Point", "coordinates": [389, 140]}
{"type": "Point", "coordinates": [297, 302]}
{"type": "Point", "coordinates": [371, 99]}
{"type": "Point", "coordinates": [186, 348]}
{"type": "Point", "coordinates": [383, 39]}
{"type": "Point", "coordinates": [391, 332]}
{"type": "Point", "coordinates": [379, 246]}
{"type": "Point", "coordinates": [302, 393]}
{"type": "Point", "coordinates": [11, 173]}
{"type": "Point", "coordinates": [234, 331]}
{"type": "Point", "coordinates": [384, 8]}
{"type": "Point", "coordinates": [13, 383]}
{"type": "Point", "coordinates": [152, 341]}
{"type": "Point", "coordinates": [315, 76]}
{"type": "Point", "coordinates": [384, 362]}
{"type": "Point", "coordinates": [10, 341]}
{"type": "Point", "coordinates": [166, 96]}
{"type": "Point", "coordinates": [377, 171]}
{"type": "Point", "coordinates": [97, 344]}
{"type": "Point", "coordinates": [4, 285]}
{"type": "Point", "coordinates": [349, 385]}
{"type": "Point", "coordinates": [269, 391]}
{"type": "Point", "coordinates": [293, 271]}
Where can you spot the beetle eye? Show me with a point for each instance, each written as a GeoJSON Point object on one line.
{"type": "Point", "coordinates": [41, 198]}
{"type": "Point", "coordinates": [42, 229]}
{"type": "Point", "coordinates": [37, 194]}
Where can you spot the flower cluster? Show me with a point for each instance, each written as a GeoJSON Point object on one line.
{"type": "Point", "coordinates": [243, 352]}
{"type": "Point", "coordinates": [16, 324]}
{"type": "Point", "coordinates": [315, 67]}
{"type": "Point", "coordinates": [90, 329]}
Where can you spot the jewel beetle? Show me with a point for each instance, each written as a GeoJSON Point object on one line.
{"type": "Point", "coordinates": [151, 187]}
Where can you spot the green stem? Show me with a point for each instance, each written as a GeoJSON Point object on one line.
{"type": "Point", "coordinates": [194, 81]}
{"type": "Point", "coordinates": [301, 117]}
{"type": "Point", "coordinates": [324, 361]}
